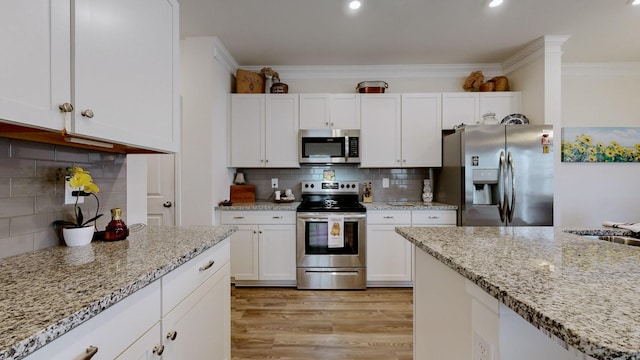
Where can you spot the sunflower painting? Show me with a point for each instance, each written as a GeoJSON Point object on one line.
{"type": "Point", "coordinates": [601, 144]}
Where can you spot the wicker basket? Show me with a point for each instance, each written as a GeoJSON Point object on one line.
{"type": "Point", "coordinates": [502, 83]}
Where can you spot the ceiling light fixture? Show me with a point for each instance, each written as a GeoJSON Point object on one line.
{"type": "Point", "coordinates": [495, 3]}
{"type": "Point", "coordinates": [634, 2]}
{"type": "Point", "coordinates": [355, 4]}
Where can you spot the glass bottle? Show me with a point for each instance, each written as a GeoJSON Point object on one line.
{"type": "Point", "coordinates": [116, 230]}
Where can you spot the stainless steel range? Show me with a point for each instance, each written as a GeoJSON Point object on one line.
{"type": "Point", "coordinates": [331, 237]}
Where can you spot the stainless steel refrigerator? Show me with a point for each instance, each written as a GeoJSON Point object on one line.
{"type": "Point", "coordinates": [498, 175]}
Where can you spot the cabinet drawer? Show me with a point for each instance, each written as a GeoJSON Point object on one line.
{"type": "Point", "coordinates": [257, 217]}
{"type": "Point", "coordinates": [433, 217]}
{"type": "Point", "coordinates": [179, 283]}
{"type": "Point", "coordinates": [396, 217]}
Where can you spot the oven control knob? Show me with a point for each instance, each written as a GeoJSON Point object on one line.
{"type": "Point", "coordinates": [312, 186]}
{"type": "Point", "coordinates": [353, 186]}
{"type": "Point", "coordinates": [342, 186]}
{"type": "Point", "coordinates": [306, 186]}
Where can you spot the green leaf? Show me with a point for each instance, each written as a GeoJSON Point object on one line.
{"type": "Point", "coordinates": [80, 217]}
{"type": "Point", "coordinates": [92, 219]}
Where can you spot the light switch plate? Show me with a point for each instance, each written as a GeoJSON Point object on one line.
{"type": "Point", "coordinates": [68, 193]}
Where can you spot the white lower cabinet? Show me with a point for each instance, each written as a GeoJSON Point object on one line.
{"type": "Point", "coordinates": [263, 249]}
{"type": "Point", "coordinates": [192, 302]}
{"type": "Point", "coordinates": [112, 331]}
{"type": "Point", "coordinates": [456, 319]}
{"type": "Point", "coordinates": [199, 327]}
{"type": "Point", "coordinates": [389, 255]}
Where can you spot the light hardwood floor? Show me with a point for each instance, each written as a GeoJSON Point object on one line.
{"type": "Point", "coordinates": [285, 323]}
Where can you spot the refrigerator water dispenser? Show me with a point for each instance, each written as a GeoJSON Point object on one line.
{"type": "Point", "coordinates": [485, 182]}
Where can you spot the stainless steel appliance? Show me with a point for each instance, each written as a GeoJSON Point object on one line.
{"type": "Point", "coordinates": [498, 175]}
{"type": "Point", "coordinates": [325, 146]}
{"type": "Point", "coordinates": [323, 264]}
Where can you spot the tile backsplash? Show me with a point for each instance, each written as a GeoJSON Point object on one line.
{"type": "Point", "coordinates": [32, 191]}
{"type": "Point", "coordinates": [404, 184]}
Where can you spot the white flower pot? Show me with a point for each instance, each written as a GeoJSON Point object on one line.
{"type": "Point", "coordinates": [77, 236]}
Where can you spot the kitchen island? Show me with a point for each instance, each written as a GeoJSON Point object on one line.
{"type": "Point", "coordinates": [48, 293]}
{"type": "Point", "coordinates": [580, 293]}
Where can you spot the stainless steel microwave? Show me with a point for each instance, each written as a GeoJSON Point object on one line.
{"type": "Point", "coordinates": [325, 146]}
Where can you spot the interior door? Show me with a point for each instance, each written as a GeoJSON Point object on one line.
{"type": "Point", "coordinates": [161, 190]}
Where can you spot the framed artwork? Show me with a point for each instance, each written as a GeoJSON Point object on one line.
{"type": "Point", "coordinates": [601, 144]}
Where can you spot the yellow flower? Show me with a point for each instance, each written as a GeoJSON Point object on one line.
{"type": "Point", "coordinates": [586, 139]}
{"type": "Point", "coordinates": [82, 178]}
{"type": "Point", "coordinates": [610, 152]}
{"type": "Point", "coordinates": [91, 188]}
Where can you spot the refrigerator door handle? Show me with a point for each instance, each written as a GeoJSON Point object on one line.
{"type": "Point", "coordinates": [502, 206]}
{"type": "Point", "coordinates": [512, 205]}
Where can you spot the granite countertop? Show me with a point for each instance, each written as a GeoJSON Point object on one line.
{"type": "Point", "coordinates": [584, 291]}
{"type": "Point", "coordinates": [48, 292]}
{"type": "Point", "coordinates": [260, 206]}
{"type": "Point", "coordinates": [407, 205]}
{"type": "Point", "coordinates": [382, 205]}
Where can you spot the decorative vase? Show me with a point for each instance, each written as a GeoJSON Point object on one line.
{"type": "Point", "coordinates": [78, 236]}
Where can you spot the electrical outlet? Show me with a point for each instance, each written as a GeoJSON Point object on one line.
{"type": "Point", "coordinates": [482, 349]}
{"type": "Point", "coordinates": [385, 182]}
{"type": "Point", "coordinates": [274, 183]}
{"type": "Point", "coordinates": [68, 193]}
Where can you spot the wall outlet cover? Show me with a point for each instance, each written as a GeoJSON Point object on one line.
{"type": "Point", "coordinates": [274, 183]}
{"type": "Point", "coordinates": [385, 182]}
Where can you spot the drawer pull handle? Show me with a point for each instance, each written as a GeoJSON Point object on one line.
{"type": "Point", "coordinates": [277, 217]}
{"type": "Point", "coordinates": [238, 217]}
{"type": "Point", "coordinates": [208, 266]}
{"type": "Point", "coordinates": [433, 217]}
{"type": "Point", "coordinates": [158, 349]}
{"type": "Point", "coordinates": [388, 217]}
{"type": "Point", "coordinates": [172, 335]}
{"type": "Point", "coordinates": [91, 350]}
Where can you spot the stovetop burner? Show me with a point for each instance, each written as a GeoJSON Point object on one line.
{"type": "Point", "coordinates": [331, 196]}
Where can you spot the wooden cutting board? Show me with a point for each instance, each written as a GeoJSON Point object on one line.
{"type": "Point", "coordinates": [242, 194]}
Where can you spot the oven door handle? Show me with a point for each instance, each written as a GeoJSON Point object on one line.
{"type": "Point", "coordinates": [318, 217]}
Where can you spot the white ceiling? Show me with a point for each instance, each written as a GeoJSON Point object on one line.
{"type": "Point", "coordinates": [385, 32]}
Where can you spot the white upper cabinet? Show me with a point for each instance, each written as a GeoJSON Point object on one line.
{"type": "Point", "coordinates": [401, 130]}
{"type": "Point", "coordinates": [460, 108]}
{"type": "Point", "coordinates": [421, 130]}
{"type": "Point", "coordinates": [468, 107]}
{"type": "Point", "coordinates": [500, 103]}
{"type": "Point", "coordinates": [117, 68]}
{"type": "Point", "coordinates": [329, 111]}
{"type": "Point", "coordinates": [125, 72]}
{"type": "Point", "coordinates": [35, 68]}
{"type": "Point", "coordinates": [264, 131]}
{"type": "Point", "coordinates": [380, 133]}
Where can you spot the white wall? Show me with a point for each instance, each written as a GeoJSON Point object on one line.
{"type": "Point", "coordinates": [599, 95]}
{"type": "Point", "coordinates": [205, 83]}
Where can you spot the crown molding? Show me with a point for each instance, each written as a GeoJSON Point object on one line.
{"type": "Point", "coordinates": [381, 71]}
{"type": "Point", "coordinates": [544, 45]}
{"type": "Point", "coordinates": [223, 56]}
{"type": "Point", "coordinates": [601, 69]}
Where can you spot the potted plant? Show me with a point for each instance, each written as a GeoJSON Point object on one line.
{"type": "Point", "coordinates": [77, 232]}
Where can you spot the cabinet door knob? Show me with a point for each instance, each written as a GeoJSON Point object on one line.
{"type": "Point", "coordinates": [66, 107]}
{"type": "Point", "coordinates": [91, 350]}
{"type": "Point", "coordinates": [172, 335]}
{"type": "Point", "coordinates": [87, 113]}
{"type": "Point", "coordinates": [158, 349]}
{"type": "Point", "coordinates": [167, 204]}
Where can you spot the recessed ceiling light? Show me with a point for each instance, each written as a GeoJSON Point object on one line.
{"type": "Point", "coordinates": [494, 3]}
{"type": "Point", "coordinates": [355, 4]}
